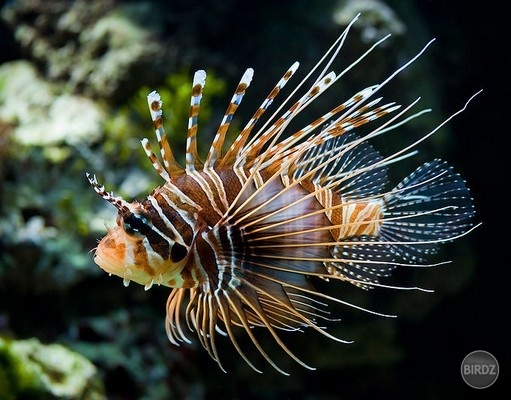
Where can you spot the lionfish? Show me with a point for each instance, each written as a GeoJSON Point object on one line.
{"type": "Point", "coordinates": [241, 236]}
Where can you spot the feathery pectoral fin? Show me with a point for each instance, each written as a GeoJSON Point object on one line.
{"type": "Point", "coordinates": [269, 247]}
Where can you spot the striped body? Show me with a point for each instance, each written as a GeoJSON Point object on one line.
{"type": "Point", "coordinates": [242, 235]}
{"type": "Point", "coordinates": [211, 192]}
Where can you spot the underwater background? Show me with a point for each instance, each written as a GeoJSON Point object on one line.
{"type": "Point", "coordinates": [73, 81]}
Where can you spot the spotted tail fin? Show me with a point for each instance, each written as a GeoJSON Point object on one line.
{"type": "Point", "coordinates": [430, 206]}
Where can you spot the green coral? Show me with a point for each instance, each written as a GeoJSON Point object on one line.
{"type": "Point", "coordinates": [32, 370]}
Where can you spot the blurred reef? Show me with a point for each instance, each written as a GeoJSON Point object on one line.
{"type": "Point", "coordinates": [73, 81]}
{"type": "Point", "coordinates": [31, 370]}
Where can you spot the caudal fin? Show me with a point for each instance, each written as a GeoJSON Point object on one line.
{"type": "Point", "coordinates": [430, 206]}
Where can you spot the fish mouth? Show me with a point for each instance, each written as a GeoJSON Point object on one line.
{"type": "Point", "coordinates": [111, 265]}
{"type": "Point", "coordinates": [108, 264]}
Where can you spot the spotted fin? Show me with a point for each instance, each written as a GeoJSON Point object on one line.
{"type": "Point", "coordinates": [430, 206]}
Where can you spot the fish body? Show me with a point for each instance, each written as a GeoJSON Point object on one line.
{"type": "Point", "coordinates": [241, 236]}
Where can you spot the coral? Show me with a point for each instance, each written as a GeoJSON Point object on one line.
{"type": "Point", "coordinates": [40, 113]}
{"type": "Point", "coordinates": [377, 19]}
{"type": "Point", "coordinates": [30, 369]}
{"type": "Point", "coordinates": [91, 48]}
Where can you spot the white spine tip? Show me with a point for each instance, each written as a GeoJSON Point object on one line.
{"type": "Point", "coordinates": [199, 78]}
{"type": "Point", "coordinates": [247, 76]}
{"type": "Point", "coordinates": [155, 110]}
{"type": "Point", "coordinates": [153, 96]}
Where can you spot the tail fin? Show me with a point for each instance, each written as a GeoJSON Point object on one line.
{"type": "Point", "coordinates": [430, 206]}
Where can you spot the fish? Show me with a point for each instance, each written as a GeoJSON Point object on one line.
{"type": "Point", "coordinates": [243, 236]}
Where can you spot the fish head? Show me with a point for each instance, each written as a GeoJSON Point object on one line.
{"type": "Point", "coordinates": [136, 250]}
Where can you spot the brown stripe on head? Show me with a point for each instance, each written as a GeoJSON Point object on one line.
{"type": "Point", "coordinates": [170, 216]}
{"type": "Point", "coordinates": [159, 245]}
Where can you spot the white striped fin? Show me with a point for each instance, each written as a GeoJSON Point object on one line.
{"type": "Point", "coordinates": [192, 158]}
{"type": "Point", "coordinates": [284, 148]}
{"type": "Point", "coordinates": [252, 149]}
{"type": "Point", "coordinates": [155, 103]}
{"type": "Point", "coordinates": [216, 147]}
{"type": "Point", "coordinates": [236, 148]}
{"type": "Point", "coordinates": [170, 165]}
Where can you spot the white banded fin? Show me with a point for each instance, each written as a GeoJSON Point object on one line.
{"type": "Point", "coordinates": [192, 157]}
{"type": "Point", "coordinates": [170, 166]}
{"type": "Point", "coordinates": [154, 102]}
{"type": "Point", "coordinates": [215, 150]}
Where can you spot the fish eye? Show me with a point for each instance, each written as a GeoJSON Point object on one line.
{"type": "Point", "coordinates": [178, 252]}
{"type": "Point", "coordinates": [136, 224]}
